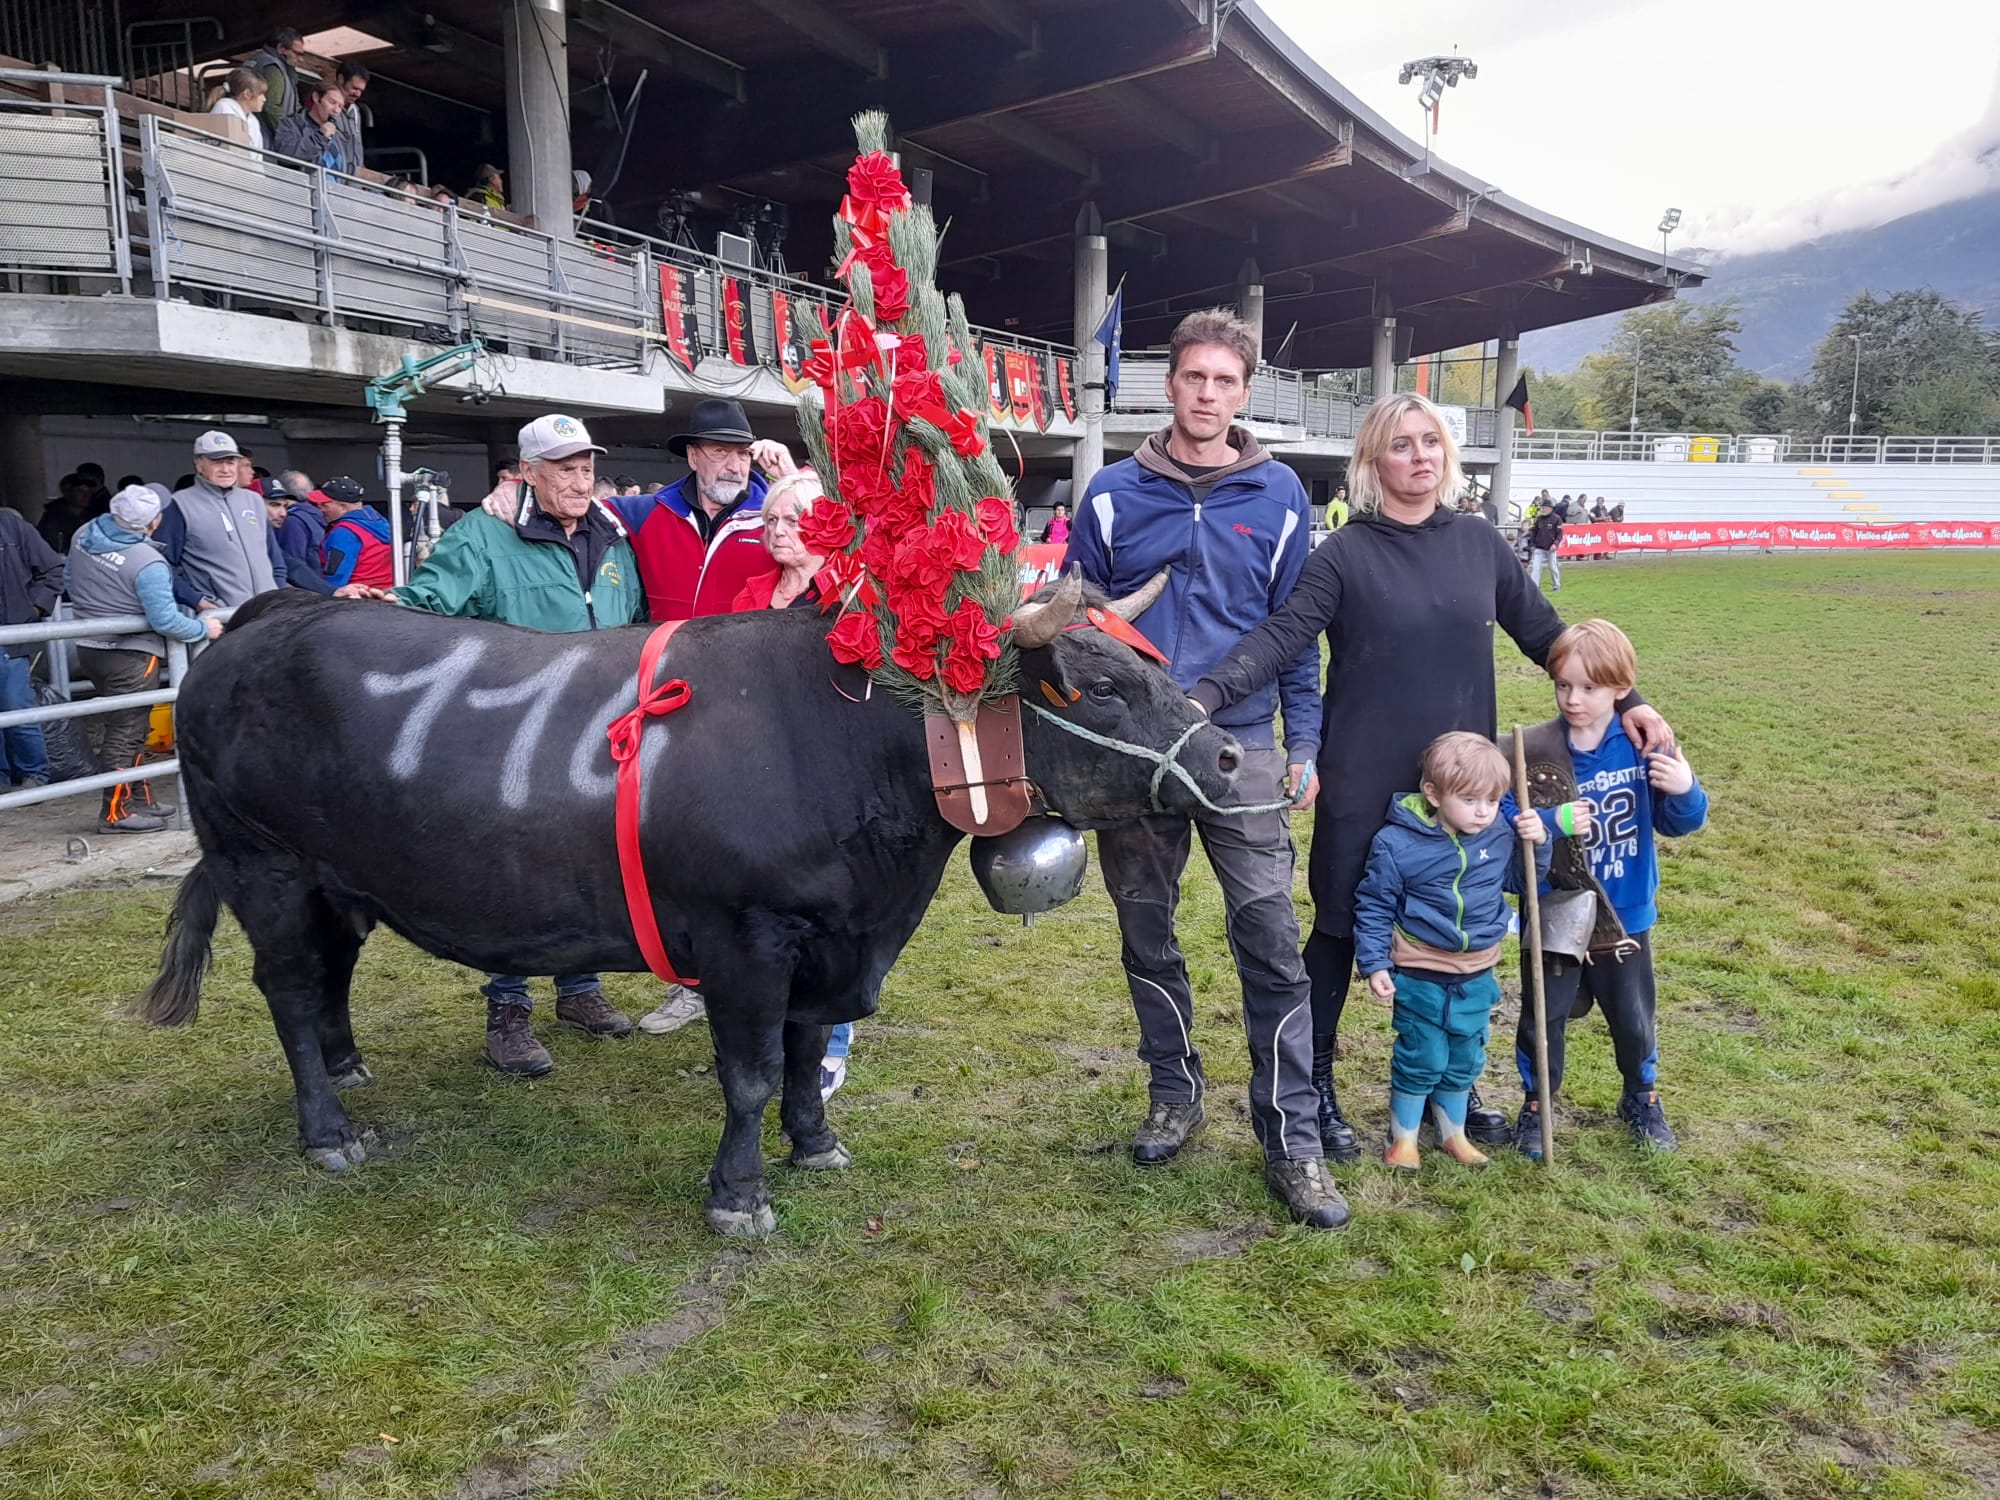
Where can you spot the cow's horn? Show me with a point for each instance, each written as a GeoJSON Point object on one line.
{"type": "Point", "coordinates": [1140, 599]}
{"type": "Point", "coordinates": [1037, 624]}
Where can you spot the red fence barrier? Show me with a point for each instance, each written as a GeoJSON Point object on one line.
{"type": "Point", "coordinates": [1684, 536]}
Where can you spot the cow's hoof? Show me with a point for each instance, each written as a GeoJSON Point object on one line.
{"type": "Point", "coordinates": [339, 1158]}
{"type": "Point", "coordinates": [743, 1224]}
{"type": "Point", "coordinates": [355, 1077]}
{"type": "Point", "coordinates": [833, 1159]}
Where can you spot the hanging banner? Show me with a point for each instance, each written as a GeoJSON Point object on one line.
{"type": "Point", "coordinates": [996, 385]}
{"type": "Point", "coordinates": [1066, 386]}
{"type": "Point", "coordinates": [789, 342]}
{"type": "Point", "coordinates": [1045, 391]}
{"type": "Point", "coordinates": [1021, 385]}
{"type": "Point", "coordinates": [677, 315]}
{"type": "Point", "coordinates": [1694, 536]}
{"type": "Point", "coordinates": [735, 322]}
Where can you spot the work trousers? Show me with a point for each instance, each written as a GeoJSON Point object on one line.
{"type": "Point", "coordinates": [1623, 990]}
{"type": "Point", "coordinates": [114, 673]}
{"type": "Point", "coordinates": [1253, 857]}
{"type": "Point", "coordinates": [1441, 1026]}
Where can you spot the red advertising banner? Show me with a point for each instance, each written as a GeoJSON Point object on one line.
{"type": "Point", "coordinates": [1688, 536]}
{"type": "Point", "coordinates": [677, 315]}
{"type": "Point", "coordinates": [1065, 390]}
{"type": "Point", "coordinates": [1021, 385]}
{"type": "Point", "coordinates": [1040, 563]}
{"type": "Point", "coordinates": [735, 321]}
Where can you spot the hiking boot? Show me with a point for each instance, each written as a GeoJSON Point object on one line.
{"type": "Point", "coordinates": [510, 1042]}
{"type": "Point", "coordinates": [1528, 1130]}
{"type": "Point", "coordinates": [1489, 1127]}
{"type": "Point", "coordinates": [1166, 1129]}
{"type": "Point", "coordinates": [681, 1006]}
{"type": "Point", "coordinates": [1306, 1189]}
{"type": "Point", "coordinates": [1647, 1121]}
{"type": "Point", "coordinates": [1336, 1136]}
{"type": "Point", "coordinates": [132, 821]}
{"type": "Point", "coordinates": [588, 1010]}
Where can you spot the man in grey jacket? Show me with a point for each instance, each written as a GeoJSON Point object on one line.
{"type": "Point", "coordinates": [216, 535]}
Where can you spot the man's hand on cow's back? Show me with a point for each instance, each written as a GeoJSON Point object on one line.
{"type": "Point", "coordinates": [366, 591]}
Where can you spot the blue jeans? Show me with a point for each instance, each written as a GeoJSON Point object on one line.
{"type": "Point", "coordinates": [23, 751]}
{"type": "Point", "coordinates": [512, 989]}
{"type": "Point", "coordinates": [840, 1039]}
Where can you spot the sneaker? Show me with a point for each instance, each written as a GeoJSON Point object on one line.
{"type": "Point", "coordinates": [588, 1010]}
{"type": "Point", "coordinates": [510, 1042]}
{"type": "Point", "coordinates": [133, 822]}
{"type": "Point", "coordinates": [1167, 1128]}
{"type": "Point", "coordinates": [681, 1006]}
{"type": "Point", "coordinates": [832, 1074]}
{"type": "Point", "coordinates": [1647, 1121]}
{"type": "Point", "coordinates": [1528, 1131]}
{"type": "Point", "coordinates": [1306, 1189]}
{"type": "Point", "coordinates": [29, 783]}
{"type": "Point", "coordinates": [1489, 1127]}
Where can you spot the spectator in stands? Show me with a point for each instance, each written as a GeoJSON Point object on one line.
{"type": "Point", "coordinates": [98, 501]}
{"type": "Point", "coordinates": [30, 580]}
{"type": "Point", "coordinates": [442, 194]}
{"type": "Point", "coordinates": [278, 65]}
{"type": "Point", "coordinates": [1056, 531]}
{"type": "Point", "coordinates": [243, 95]}
{"type": "Point", "coordinates": [114, 570]}
{"type": "Point", "coordinates": [217, 537]}
{"type": "Point", "coordinates": [300, 528]}
{"type": "Point", "coordinates": [1598, 512]}
{"type": "Point", "coordinates": [313, 135]}
{"type": "Point", "coordinates": [131, 479]}
{"type": "Point", "coordinates": [1543, 539]}
{"type": "Point", "coordinates": [559, 561]}
{"type": "Point", "coordinates": [352, 77]}
{"type": "Point", "coordinates": [627, 485]}
{"type": "Point", "coordinates": [357, 546]}
{"type": "Point", "coordinates": [606, 488]}
{"type": "Point", "coordinates": [62, 516]}
{"type": "Point", "coordinates": [1618, 512]}
{"type": "Point", "coordinates": [489, 188]}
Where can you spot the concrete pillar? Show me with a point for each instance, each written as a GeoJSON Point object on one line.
{"type": "Point", "coordinates": [1093, 287]}
{"type": "Point", "coordinates": [535, 37]}
{"type": "Point", "coordinates": [1250, 302]}
{"type": "Point", "coordinates": [1506, 372]}
{"type": "Point", "coordinates": [24, 475]}
{"type": "Point", "coordinates": [1384, 364]}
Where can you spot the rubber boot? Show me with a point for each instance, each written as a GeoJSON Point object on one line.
{"type": "Point", "coordinates": [1406, 1113]}
{"type": "Point", "coordinates": [1336, 1136]}
{"type": "Point", "coordinates": [1448, 1115]}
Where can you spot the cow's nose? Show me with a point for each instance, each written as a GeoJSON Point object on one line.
{"type": "Point", "coordinates": [1228, 759]}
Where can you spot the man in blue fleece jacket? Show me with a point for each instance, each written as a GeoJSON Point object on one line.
{"type": "Point", "coordinates": [1428, 919]}
{"type": "Point", "coordinates": [1205, 504]}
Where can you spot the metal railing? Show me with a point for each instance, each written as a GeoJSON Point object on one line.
{"type": "Point", "coordinates": [79, 35]}
{"type": "Point", "coordinates": [162, 59]}
{"type": "Point", "coordinates": [1284, 397]}
{"type": "Point", "coordinates": [58, 630]}
{"type": "Point", "coordinates": [62, 198]}
{"type": "Point", "coordinates": [1585, 444]}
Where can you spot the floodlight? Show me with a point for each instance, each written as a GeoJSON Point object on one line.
{"type": "Point", "coordinates": [1671, 221]}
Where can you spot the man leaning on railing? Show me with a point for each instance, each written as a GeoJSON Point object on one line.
{"type": "Point", "coordinates": [30, 580]}
{"type": "Point", "coordinates": [115, 570]}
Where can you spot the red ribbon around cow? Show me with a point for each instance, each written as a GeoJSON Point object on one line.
{"type": "Point", "coordinates": [625, 733]}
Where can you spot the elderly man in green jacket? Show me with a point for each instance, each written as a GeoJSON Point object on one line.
{"type": "Point", "coordinates": [562, 564]}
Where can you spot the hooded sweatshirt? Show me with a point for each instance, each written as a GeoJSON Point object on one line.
{"type": "Point", "coordinates": [1234, 540]}
{"type": "Point", "coordinates": [1408, 610]}
{"type": "Point", "coordinates": [1433, 898]}
{"type": "Point", "coordinates": [357, 550]}
{"type": "Point", "coordinates": [113, 570]}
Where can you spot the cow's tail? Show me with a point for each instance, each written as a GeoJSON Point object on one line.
{"type": "Point", "coordinates": [174, 996]}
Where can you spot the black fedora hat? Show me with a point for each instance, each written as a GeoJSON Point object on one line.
{"type": "Point", "coordinates": [716, 420]}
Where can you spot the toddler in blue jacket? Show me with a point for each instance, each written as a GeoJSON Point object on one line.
{"type": "Point", "coordinates": [1428, 920]}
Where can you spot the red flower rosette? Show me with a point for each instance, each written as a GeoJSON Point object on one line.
{"type": "Point", "coordinates": [955, 543]}
{"type": "Point", "coordinates": [889, 281]}
{"type": "Point", "coordinates": [873, 181]}
{"type": "Point", "coordinates": [827, 528]}
{"type": "Point", "coordinates": [996, 523]}
{"type": "Point", "coordinates": [856, 639]}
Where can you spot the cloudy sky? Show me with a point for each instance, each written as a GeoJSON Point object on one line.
{"type": "Point", "coordinates": [1767, 122]}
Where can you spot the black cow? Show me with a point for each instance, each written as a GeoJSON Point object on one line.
{"type": "Point", "coordinates": [351, 763]}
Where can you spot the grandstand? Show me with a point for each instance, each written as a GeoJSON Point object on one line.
{"type": "Point", "coordinates": [157, 276]}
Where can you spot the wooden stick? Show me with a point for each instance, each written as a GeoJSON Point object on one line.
{"type": "Point", "coordinates": [1531, 939]}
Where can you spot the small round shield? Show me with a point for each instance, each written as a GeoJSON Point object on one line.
{"type": "Point", "coordinates": [1032, 868]}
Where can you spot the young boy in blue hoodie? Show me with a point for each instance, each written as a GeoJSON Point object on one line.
{"type": "Point", "coordinates": [1428, 920]}
{"type": "Point", "coordinates": [1623, 800]}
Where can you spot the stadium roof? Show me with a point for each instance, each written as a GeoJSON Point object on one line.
{"type": "Point", "coordinates": [1203, 135]}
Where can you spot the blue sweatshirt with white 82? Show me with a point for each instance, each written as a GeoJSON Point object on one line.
{"type": "Point", "coordinates": [1626, 813]}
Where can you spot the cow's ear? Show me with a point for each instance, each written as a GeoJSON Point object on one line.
{"type": "Point", "coordinates": [1052, 685]}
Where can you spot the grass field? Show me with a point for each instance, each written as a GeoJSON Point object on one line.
{"type": "Point", "coordinates": [518, 1296]}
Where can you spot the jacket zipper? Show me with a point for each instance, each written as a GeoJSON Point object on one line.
{"type": "Point", "coordinates": [1458, 895]}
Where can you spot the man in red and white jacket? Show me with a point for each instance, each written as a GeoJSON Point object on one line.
{"type": "Point", "coordinates": [700, 540]}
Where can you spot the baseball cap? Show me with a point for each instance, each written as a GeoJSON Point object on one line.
{"type": "Point", "coordinates": [555, 436]}
{"type": "Point", "coordinates": [274, 489]}
{"type": "Point", "coordinates": [216, 444]}
{"type": "Point", "coordinates": [343, 489]}
{"type": "Point", "coordinates": [135, 507]}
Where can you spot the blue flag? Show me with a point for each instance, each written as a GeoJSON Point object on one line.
{"type": "Point", "coordinates": [1109, 332]}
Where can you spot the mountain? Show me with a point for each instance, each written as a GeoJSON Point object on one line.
{"type": "Point", "coordinates": [1790, 297]}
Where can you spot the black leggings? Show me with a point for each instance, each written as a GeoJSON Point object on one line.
{"type": "Point", "coordinates": [1329, 960]}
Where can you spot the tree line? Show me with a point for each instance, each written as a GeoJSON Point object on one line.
{"type": "Point", "coordinates": [1927, 367]}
